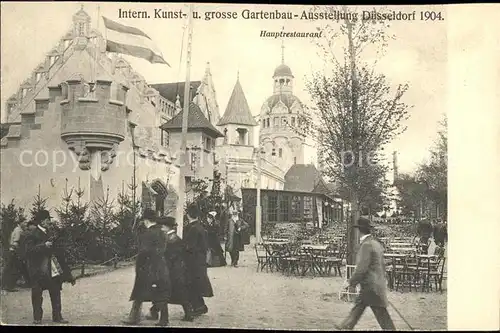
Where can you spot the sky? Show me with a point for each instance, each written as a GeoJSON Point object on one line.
{"type": "Point", "coordinates": [417, 56]}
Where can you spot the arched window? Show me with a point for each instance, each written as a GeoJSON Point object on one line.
{"type": "Point", "coordinates": [280, 152]}
{"type": "Point", "coordinates": [293, 121]}
{"type": "Point", "coordinates": [276, 122]}
{"type": "Point", "coordinates": [81, 29]}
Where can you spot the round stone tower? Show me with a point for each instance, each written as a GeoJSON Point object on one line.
{"type": "Point", "coordinates": [280, 122]}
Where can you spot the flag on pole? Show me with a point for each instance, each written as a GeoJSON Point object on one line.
{"type": "Point", "coordinates": [132, 41]}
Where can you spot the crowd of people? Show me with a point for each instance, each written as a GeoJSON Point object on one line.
{"type": "Point", "coordinates": [169, 269]}
{"type": "Point", "coordinates": [173, 271]}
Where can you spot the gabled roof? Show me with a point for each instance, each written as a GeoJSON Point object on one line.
{"type": "Point", "coordinates": [304, 178]}
{"type": "Point", "coordinates": [237, 110]}
{"type": "Point", "coordinates": [196, 121]}
{"type": "Point", "coordinates": [171, 90]}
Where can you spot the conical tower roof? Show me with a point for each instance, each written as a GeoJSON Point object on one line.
{"type": "Point", "coordinates": [237, 110]}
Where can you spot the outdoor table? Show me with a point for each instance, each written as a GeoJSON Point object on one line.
{"type": "Point", "coordinates": [404, 249]}
{"type": "Point", "coordinates": [314, 247]}
{"type": "Point", "coordinates": [394, 255]}
{"type": "Point", "coordinates": [426, 256]}
{"type": "Point", "coordinates": [275, 242]}
{"type": "Point", "coordinates": [400, 244]}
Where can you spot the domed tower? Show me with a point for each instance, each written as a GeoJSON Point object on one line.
{"type": "Point", "coordinates": [280, 120]}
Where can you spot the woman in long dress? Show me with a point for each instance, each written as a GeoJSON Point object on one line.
{"type": "Point", "coordinates": [215, 256]}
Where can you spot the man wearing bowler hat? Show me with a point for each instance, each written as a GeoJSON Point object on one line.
{"type": "Point", "coordinates": [47, 266]}
{"type": "Point", "coordinates": [370, 274]}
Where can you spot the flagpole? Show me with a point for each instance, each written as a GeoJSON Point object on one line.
{"type": "Point", "coordinates": [185, 113]}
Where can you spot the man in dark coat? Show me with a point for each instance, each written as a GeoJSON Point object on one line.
{"type": "Point", "coordinates": [175, 254]}
{"type": "Point", "coordinates": [440, 234]}
{"type": "Point", "coordinates": [195, 238]}
{"type": "Point", "coordinates": [370, 274]}
{"type": "Point", "coordinates": [234, 238]}
{"type": "Point", "coordinates": [47, 266]}
{"type": "Point", "coordinates": [152, 282]}
{"type": "Point", "coordinates": [216, 253]}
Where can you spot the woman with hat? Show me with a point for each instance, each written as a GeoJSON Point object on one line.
{"type": "Point", "coordinates": [215, 251]}
{"type": "Point", "coordinates": [175, 257]}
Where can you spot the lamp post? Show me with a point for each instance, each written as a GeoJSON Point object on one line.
{"type": "Point", "coordinates": [258, 208]}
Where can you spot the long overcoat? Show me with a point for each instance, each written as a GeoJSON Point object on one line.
{"type": "Point", "coordinates": [152, 280]}
{"type": "Point", "coordinates": [370, 273]}
{"type": "Point", "coordinates": [196, 242]}
{"type": "Point", "coordinates": [39, 259]}
{"type": "Point", "coordinates": [234, 240]}
{"type": "Point", "coordinates": [175, 255]}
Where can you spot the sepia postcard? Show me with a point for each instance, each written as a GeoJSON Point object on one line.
{"type": "Point", "coordinates": [245, 166]}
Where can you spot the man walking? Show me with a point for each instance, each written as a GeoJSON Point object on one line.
{"type": "Point", "coordinates": [370, 274]}
{"type": "Point", "coordinates": [196, 242]}
{"type": "Point", "coordinates": [234, 241]}
{"type": "Point", "coordinates": [152, 282]}
{"type": "Point", "coordinates": [175, 254]}
{"type": "Point", "coordinates": [47, 267]}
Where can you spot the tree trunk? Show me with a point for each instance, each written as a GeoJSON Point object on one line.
{"type": "Point", "coordinates": [352, 233]}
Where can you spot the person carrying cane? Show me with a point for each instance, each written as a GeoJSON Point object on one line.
{"type": "Point", "coordinates": [370, 274]}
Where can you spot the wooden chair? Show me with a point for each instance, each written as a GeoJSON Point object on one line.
{"type": "Point", "coordinates": [306, 262]}
{"type": "Point", "coordinates": [404, 273]}
{"type": "Point", "coordinates": [262, 258]}
{"type": "Point", "coordinates": [438, 274]}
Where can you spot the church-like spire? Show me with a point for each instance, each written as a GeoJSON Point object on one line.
{"type": "Point", "coordinates": [283, 48]}
{"type": "Point", "coordinates": [237, 110]}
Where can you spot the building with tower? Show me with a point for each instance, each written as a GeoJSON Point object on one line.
{"type": "Point", "coordinates": [280, 116]}
{"type": "Point", "coordinates": [85, 118]}
{"type": "Point", "coordinates": [237, 154]}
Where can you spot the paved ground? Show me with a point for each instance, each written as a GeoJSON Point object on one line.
{"type": "Point", "coordinates": [243, 298]}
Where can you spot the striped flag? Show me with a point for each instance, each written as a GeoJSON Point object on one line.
{"type": "Point", "coordinates": [132, 41]}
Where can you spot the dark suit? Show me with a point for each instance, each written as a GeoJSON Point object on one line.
{"type": "Point", "coordinates": [370, 274]}
{"type": "Point", "coordinates": [196, 243]}
{"type": "Point", "coordinates": [40, 261]}
{"type": "Point", "coordinates": [234, 241]}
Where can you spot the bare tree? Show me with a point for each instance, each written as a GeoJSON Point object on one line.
{"type": "Point", "coordinates": [355, 111]}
